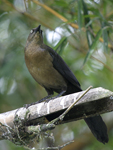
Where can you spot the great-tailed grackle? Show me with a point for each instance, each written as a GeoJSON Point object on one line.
{"type": "Point", "coordinates": [50, 71]}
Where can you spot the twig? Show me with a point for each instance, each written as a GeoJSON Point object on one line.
{"type": "Point", "coordinates": [64, 19]}
{"type": "Point", "coordinates": [56, 14]}
{"type": "Point", "coordinates": [27, 14]}
{"type": "Point", "coordinates": [69, 108]}
{"type": "Point", "coordinates": [56, 148]}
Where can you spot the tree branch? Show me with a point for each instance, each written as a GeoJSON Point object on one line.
{"type": "Point", "coordinates": [96, 101]}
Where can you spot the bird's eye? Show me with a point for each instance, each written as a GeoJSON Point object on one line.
{"type": "Point", "coordinates": [32, 31]}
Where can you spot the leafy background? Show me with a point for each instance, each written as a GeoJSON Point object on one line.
{"type": "Point", "coordinates": [81, 32]}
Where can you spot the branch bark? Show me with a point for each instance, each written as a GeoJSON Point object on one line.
{"type": "Point", "coordinates": [96, 101]}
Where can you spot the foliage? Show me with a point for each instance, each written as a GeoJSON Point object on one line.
{"type": "Point", "coordinates": [80, 31]}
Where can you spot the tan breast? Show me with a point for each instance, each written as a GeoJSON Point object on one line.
{"type": "Point", "coordinates": [39, 64]}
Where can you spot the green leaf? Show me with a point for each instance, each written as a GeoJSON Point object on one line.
{"type": "Point", "coordinates": [87, 19]}
{"type": "Point", "coordinates": [89, 38]}
{"type": "Point", "coordinates": [60, 44]}
{"type": "Point", "coordinates": [61, 3]}
{"type": "Point", "coordinates": [93, 46]}
{"type": "Point", "coordinates": [91, 21]}
{"type": "Point", "coordinates": [80, 16]}
{"type": "Point", "coordinates": [105, 36]}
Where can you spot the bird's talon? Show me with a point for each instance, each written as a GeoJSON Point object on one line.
{"type": "Point", "coordinates": [26, 105]}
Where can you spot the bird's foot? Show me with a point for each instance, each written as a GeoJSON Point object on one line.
{"type": "Point", "coordinates": [60, 94]}
{"type": "Point", "coordinates": [41, 100]}
{"type": "Point", "coordinates": [28, 105]}
{"type": "Point", "coordinates": [46, 99]}
{"type": "Point", "coordinates": [49, 99]}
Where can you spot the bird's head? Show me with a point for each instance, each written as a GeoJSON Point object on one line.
{"type": "Point", "coordinates": [35, 36]}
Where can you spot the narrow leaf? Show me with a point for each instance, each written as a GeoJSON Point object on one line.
{"type": "Point", "coordinates": [93, 46]}
{"type": "Point", "coordinates": [80, 16]}
{"type": "Point", "coordinates": [60, 44]}
{"type": "Point", "coordinates": [87, 21]}
{"type": "Point", "coordinates": [89, 38]}
{"type": "Point", "coordinates": [105, 36]}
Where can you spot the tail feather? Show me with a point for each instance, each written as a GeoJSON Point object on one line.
{"type": "Point", "coordinates": [98, 128]}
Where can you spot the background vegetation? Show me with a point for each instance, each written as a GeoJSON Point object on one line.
{"type": "Point", "coordinates": [81, 32]}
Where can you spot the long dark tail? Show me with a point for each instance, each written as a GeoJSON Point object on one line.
{"type": "Point", "coordinates": [98, 128]}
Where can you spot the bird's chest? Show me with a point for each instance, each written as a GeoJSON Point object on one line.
{"type": "Point", "coordinates": [39, 66]}
{"type": "Point", "coordinates": [40, 69]}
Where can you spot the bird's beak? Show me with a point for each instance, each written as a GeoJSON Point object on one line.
{"type": "Point", "coordinates": [38, 29]}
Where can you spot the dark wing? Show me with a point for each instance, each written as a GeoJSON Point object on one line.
{"type": "Point", "coordinates": [62, 68]}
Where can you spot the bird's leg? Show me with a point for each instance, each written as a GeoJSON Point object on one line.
{"type": "Point", "coordinates": [41, 100]}
{"type": "Point", "coordinates": [46, 99]}
{"type": "Point", "coordinates": [60, 94]}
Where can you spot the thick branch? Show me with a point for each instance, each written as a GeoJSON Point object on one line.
{"type": "Point", "coordinates": [95, 102]}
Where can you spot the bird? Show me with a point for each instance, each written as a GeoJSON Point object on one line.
{"type": "Point", "coordinates": [49, 70]}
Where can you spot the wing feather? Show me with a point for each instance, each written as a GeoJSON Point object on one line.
{"type": "Point", "coordinates": [62, 68]}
